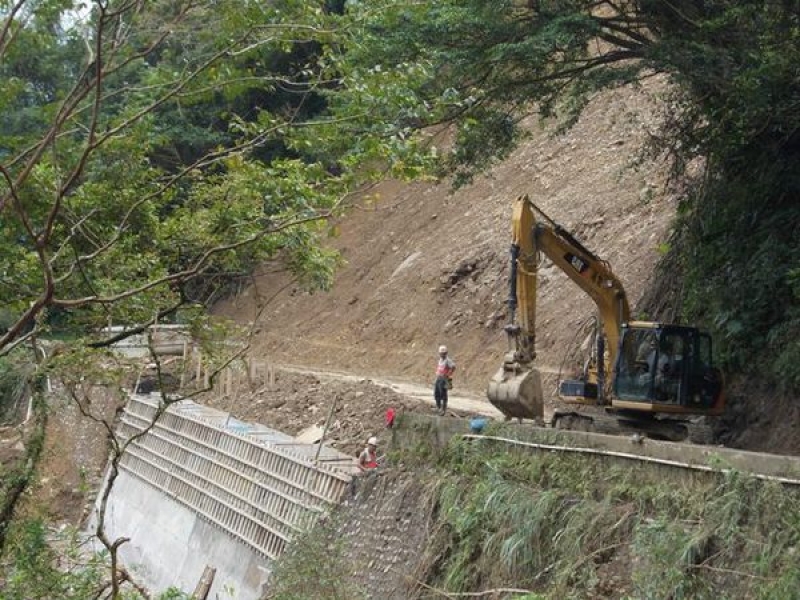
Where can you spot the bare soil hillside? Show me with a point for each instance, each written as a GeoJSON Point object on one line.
{"type": "Point", "coordinates": [428, 266]}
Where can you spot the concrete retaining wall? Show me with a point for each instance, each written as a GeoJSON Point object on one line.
{"type": "Point", "coordinates": [171, 544]}
{"type": "Point", "coordinates": [202, 489]}
{"type": "Point", "coordinates": [436, 433]}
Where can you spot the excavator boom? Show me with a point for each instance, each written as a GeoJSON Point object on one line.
{"type": "Point", "coordinates": [516, 388]}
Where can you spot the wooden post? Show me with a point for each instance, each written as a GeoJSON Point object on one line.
{"type": "Point", "coordinates": [204, 585]}
{"type": "Point", "coordinates": [237, 381]}
{"type": "Point", "coordinates": [198, 368]}
{"type": "Point", "coordinates": [270, 376]}
{"type": "Point", "coordinates": [184, 364]}
{"type": "Point", "coordinates": [246, 366]}
{"type": "Point", "coordinates": [228, 386]}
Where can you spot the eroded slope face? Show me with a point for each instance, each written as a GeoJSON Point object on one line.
{"type": "Point", "coordinates": [427, 266]}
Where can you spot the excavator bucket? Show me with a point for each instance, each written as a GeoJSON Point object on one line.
{"type": "Point", "coordinates": [517, 393]}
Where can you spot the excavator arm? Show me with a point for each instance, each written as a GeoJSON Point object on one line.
{"type": "Point", "coordinates": [594, 277]}
{"type": "Point", "coordinates": [516, 388]}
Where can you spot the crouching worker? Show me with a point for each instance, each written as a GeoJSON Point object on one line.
{"type": "Point", "coordinates": [368, 459]}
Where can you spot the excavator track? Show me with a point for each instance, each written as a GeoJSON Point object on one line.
{"type": "Point", "coordinates": [695, 430]}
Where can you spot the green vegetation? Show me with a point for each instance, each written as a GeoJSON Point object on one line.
{"type": "Point", "coordinates": [567, 527]}
{"type": "Point", "coordinates": [15, 386]}
{"type": "Point", "coordinates": [152, 165]}
{"type": "Point", "coordinates": [148, 163]}
{"type": "Point", "coordinates": [18, 387]}
{"type": "Point", "coordinates": [17, 475]}
{"type": "Point", "coordinates": [545, 525]}
{"type": "Point", "coordinates": [35, 570]}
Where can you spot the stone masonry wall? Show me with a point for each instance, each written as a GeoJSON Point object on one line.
{"type": "Point", "coordinates": [383, 527]}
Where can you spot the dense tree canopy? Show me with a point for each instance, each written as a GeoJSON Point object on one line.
{"type": "Point", "coordinates": [151, 153]}
{"type": "Point", "coordinates": [147, 159]}
{"type": "Point", "coordinates": [489, 63]}
{"type": "Point", "coordinates": [115, 198]}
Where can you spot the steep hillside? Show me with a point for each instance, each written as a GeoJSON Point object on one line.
{"type": "Point", "coordinates": [427, 266]}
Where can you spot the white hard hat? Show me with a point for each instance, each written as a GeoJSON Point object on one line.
{"type": "Point", "coordinates": [442, 349]}
{"type": "Point", "coordinates": [373, 441]}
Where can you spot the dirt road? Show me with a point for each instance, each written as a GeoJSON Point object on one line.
{"type": "Point", "coordinates": [458, 400]}
{"type": "Point", "coordinates": [293, 399]}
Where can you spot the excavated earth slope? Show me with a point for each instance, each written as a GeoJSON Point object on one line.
{"type": "Point", "coordinates": [426, 266]}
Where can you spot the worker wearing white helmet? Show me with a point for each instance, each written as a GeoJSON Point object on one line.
{"type": "Point", "coordinates": [368, 459]}
{"type": "Point", "coordinates": [444, 379]}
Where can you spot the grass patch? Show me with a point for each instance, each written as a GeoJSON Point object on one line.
{"type": "Point", "coordinates": [16, 382]}
{"type": "Point", "coordinates": [573, 527]}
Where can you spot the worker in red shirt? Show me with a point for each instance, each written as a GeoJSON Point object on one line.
{"type": "Point", "coordinates": [444, 379]}
{"type": "Point", "coordinates": [368, 459]}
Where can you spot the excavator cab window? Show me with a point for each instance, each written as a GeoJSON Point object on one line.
{"type": "Point", "coordinates": [652, 365]}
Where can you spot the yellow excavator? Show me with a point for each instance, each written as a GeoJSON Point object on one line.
{"type": "Point", "coordinates": [653, 376]}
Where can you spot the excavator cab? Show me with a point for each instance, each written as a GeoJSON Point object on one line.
{"type": "Point", "coordinates": [665, 368]}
